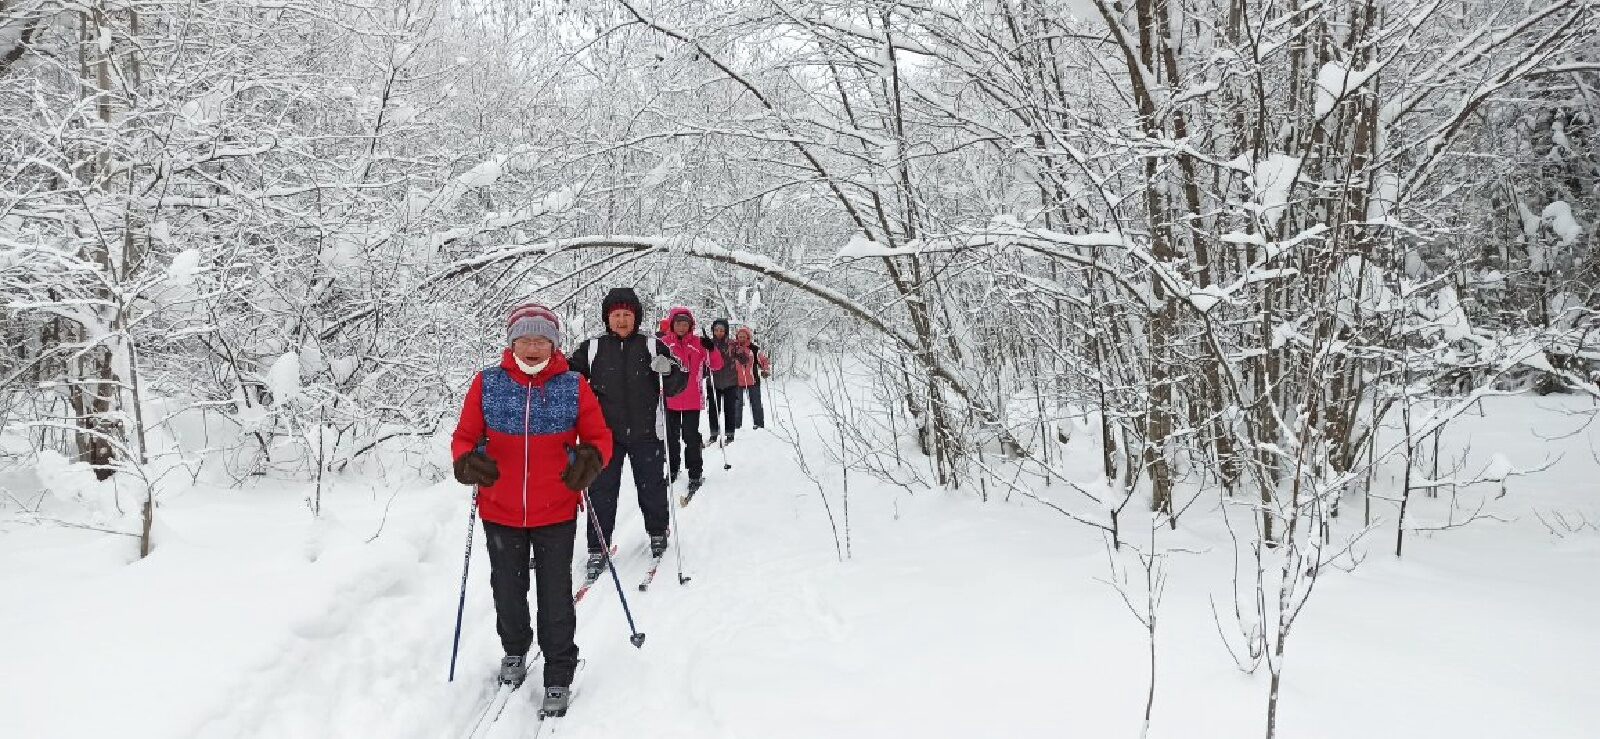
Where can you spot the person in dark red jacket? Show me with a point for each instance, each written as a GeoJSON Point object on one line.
{"type": "Point", "coordinates": [724, 384]}
{"type": "Point", "coordinates": [531, 437]}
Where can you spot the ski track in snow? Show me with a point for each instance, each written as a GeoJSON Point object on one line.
{"type": "Point", "coordinates": [954, 618]}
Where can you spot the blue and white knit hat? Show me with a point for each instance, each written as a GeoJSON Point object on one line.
{"type": "Point", "coordinates": [533, 320]}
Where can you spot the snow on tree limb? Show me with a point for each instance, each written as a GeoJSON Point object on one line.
{"type": "Point", "coordinates": [936, 364]}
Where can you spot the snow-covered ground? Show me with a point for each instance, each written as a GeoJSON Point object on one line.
{"type": "Point", "coordinates": [953, 618]}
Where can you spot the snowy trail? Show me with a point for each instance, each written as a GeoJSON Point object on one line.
{"type": "Point", "coordinates": [953, 618]}
{"type": "Point", "coordinates": [773, 636]}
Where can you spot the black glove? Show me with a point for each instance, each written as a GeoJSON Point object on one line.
{"type": "Point", "coordinates": [707, 343]}
{"type": "Point", "coordinates": [476, 468]}
{"type": "Point", "coordinates": [583, 469]}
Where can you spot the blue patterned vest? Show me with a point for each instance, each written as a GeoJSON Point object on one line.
{"type": "Point", "coordinates": [553, 409]}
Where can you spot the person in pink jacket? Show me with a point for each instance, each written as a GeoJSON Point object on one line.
{"type": "Point", "coordinates": [751, 364]}
{"type": "Point", "coordinates": [683, 409]}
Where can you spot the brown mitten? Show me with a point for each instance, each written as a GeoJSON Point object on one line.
{"type": "Point", "coordinates": [583, 469]}
{"type": "Point", "coordinates": [476, 468]}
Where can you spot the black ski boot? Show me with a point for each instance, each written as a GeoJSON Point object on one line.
{"type": "Point", "coordinates": [658, 546]}
{"type": "Point", "coordinates": [556, 699]}
{"type": "Point", "coordinates": [513, 670]}
{"type": "Point", "coordinates": [694, 487]}
{"type": "Point", "coordinates": [595, 566]}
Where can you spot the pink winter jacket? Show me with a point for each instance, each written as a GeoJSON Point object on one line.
{"type": "Point", "coordinates": [747, 357]}
{"type": "Point", "coordinates": [695, 359]}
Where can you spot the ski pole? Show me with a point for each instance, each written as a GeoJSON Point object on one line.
{"type": "Point", "coordinates": [761, 397]}
{"type": "Point", "coordinates": [716, 407]}
{"type": "Point", "coordinates": [722, 441]}
{"type": "Point", "coordinates": [677, 551]}
{"type": "Point", "coordinates": [677, 533]}
{"type": "Point", "coordinates": [466, 563]}
{"type": "Point", "coordinates": [635, 637]}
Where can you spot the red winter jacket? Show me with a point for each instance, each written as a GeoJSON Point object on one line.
{"type": "Point", "coordinates": [525, 424]}
{"type": "Point", "coordinates": [694, 357]}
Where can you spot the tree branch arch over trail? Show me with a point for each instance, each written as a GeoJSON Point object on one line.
{"type": "Point", "coordinates": [1039, 241]}
{"type": "Point", "coordinates": [641, 246]}
{"type": "Point", "coordinates": [704, 249]}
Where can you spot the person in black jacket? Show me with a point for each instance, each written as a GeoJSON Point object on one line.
{"type": "Point", "coordinates": [628, 371]}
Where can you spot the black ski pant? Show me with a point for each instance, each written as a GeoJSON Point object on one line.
{"type": "Point", "coordinates": [683, 441]}
{"type": "Point", "coordinates": [732, 410]}
{"type": "Point", "coordinates": [551, 550]}
{"type": "Point", "coordinates": [757, 415]}
{"type": "Point", "coordinates": [649, 478]}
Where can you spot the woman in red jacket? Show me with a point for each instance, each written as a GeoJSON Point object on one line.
{"type": "Point", "coordinates": [531, 437]}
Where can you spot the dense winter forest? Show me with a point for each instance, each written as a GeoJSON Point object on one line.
{"type": "Point", "coordinates": [1305, 287]}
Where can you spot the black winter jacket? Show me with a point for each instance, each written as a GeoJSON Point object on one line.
{"type": "Point", "coordinates": [629, 391]}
